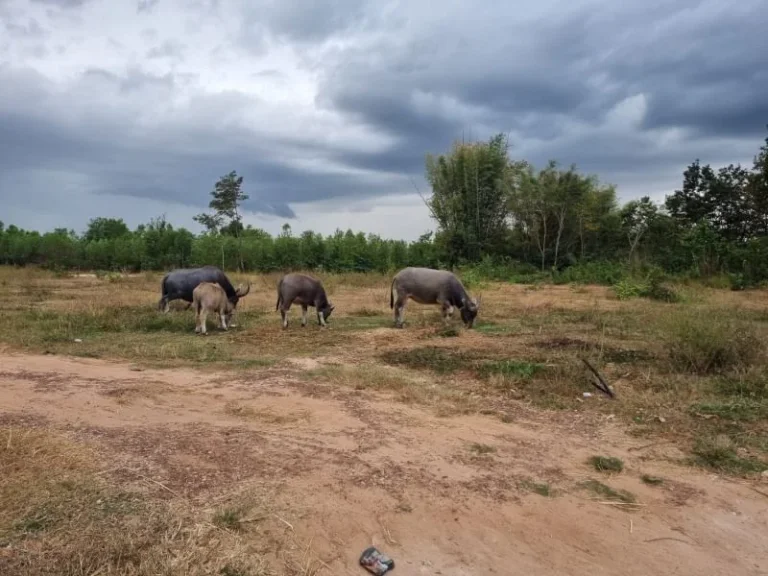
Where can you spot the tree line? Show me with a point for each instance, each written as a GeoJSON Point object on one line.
{"type": "Point", "coordinates": [497, 214]}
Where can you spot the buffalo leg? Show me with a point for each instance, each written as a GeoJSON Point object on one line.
{"type": "Point", "coordinates": [303, 315]}
{"type": "Point", "coordinates": [447, 312]}
{"type": "Point", "coordinates": [284, 313]}
{"type": "Point", "coordinates": [400, 311]}
{"type": "Point", "coordinates": [200, 321]}
{"type": "Point", "coordinates": [321, 319]}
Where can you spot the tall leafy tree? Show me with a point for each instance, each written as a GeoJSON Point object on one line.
{"type": "Point", "coordinates": [469, 197]}
{"type": "Point", "coordinates": [227, 198]}
{"type": "Point", "coordinates": [105, 229]}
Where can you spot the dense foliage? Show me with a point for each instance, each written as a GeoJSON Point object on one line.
{"type": "Point", "coordinates": [497, 215]}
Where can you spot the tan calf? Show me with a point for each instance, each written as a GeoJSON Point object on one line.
{"type": "Point", "coordinates": [210, 297]}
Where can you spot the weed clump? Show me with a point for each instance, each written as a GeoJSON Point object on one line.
{"type": "Point", "coordinates": [542, 489]}
{"type": "Point", "coordinates": [606, 463]}
{"type": "Point", "coordinates": [608, 493]}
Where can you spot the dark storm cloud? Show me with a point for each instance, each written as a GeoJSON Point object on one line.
{"type": "Point", "coordinates": [700, 67]}
{"type": "Point", "coordinates": [176, 162]}
{"type": "Point", "coordinates": [596, 83]}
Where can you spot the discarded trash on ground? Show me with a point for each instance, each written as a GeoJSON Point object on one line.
{"type": "Point", "coordinates": [376, 562]}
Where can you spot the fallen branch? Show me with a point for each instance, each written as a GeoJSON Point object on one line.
{"type": "Point", "coordinates": [603, 386]}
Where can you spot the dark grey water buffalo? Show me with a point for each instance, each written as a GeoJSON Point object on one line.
{"type": "Point", "coordinates": [306, 291]}
{"type": "Point", "coordinates": [180, 285]}
{"type": "Point", "coordinates": [428, 286]}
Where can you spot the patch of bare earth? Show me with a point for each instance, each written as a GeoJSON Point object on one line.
{"type": "Point", "coordinates": [347, 468]}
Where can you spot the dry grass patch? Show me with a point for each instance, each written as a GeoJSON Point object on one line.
{"type": "Point", "coordinates": [60, 516]}
{"type": "Point", "coordinates": [265, 415]}
{"type": "Point", "coordinates": [444, 396]}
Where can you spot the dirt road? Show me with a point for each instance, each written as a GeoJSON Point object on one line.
{"type": "Point", "coordinates": [449, 496]}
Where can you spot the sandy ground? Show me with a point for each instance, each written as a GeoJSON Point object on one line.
{"type": "Point", "coordinates": [352, 468]}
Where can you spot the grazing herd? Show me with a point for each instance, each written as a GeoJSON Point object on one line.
{"type": "Point", "coordinates": [210, 292]}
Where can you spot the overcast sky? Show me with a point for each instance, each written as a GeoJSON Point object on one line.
{"type": "Point", "coordinates": [131, 109]}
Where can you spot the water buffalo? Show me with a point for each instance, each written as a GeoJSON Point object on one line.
{"type": "Point", "coordinates": [306, 291]}
{"type": "Point", "coordinates": [428, 286]}
{"type": "Point", "coordinates": [179, 284]}
{"type": "Point", "coordinates": [210, 297]}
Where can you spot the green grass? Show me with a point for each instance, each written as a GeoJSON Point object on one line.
{"type": "Point", "coordinates": [607, 493]}
{"type": "Point", "coordinates": [719, 454]}
{"type": "Point", "coordinates": [606, 464]}
{"type": "Point", "coordinates": [510, 369]}
{"type": "Point", "coordinates": [542, 489]}
{"type": "Point", "coordinates": [734, 410]}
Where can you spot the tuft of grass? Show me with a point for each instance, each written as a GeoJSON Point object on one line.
{"type": "Point", "coordinates": [478, 448]}
{"type": "Point", "coordinates": [711, 343]}
{"type": "Point", "coordinates": [651, 480]}
{"type": "Point", "coordinates": [365, 312]}
{"type": "Point", "coordinates": [510, 369]}
{"type": "Point", "coordinates": [229, 518]}
{"type": "Point", "coordinates": [448, 332]}
{"type": "Point", "coordinates": [606, 492]}
{"type": "Point", "coordinates": [720, 455]}
{"type": "Point", "coordinates": [542, 489]}
{"type": "Point", "coordinates": [606, 463]}
{"type": "Point", "coordinates": [749, 385]}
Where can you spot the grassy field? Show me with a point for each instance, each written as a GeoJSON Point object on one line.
{"type": "Point", "coordinates": [693, 373]}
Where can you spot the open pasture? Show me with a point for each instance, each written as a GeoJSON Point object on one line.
{"type": "Point", "coordinates": [131, 445]}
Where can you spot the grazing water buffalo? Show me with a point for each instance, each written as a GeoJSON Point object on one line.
{"type": "Point", "coordinates": [210, 297]}
{"type": "Point", "coordinates": [306, 291]}
{"type": "Point", "coordinates": [428, 286]}
{"type": "Point", "coordinates": [179, 284]}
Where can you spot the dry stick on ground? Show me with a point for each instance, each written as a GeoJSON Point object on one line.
{"type": "Point", "coordinates": [603, 387]}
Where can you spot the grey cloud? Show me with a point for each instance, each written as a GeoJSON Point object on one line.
{"type": "Point", "coordinates": [29, 29]}
{"type": "Point", "coordinates": [176, 162]}
{"type": "Point", "coordinates": [146, 6]}
{"type": "Point", "coordinates": [550, 77]}
{"type": "Point", "coordinates": [702, 73]}
{"type": "Point", "coordinates": [168, 49]}
{"type": "Point", "coordinates": [300, 21]}
{"type": "Point", "coordinates": [62, 3]}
